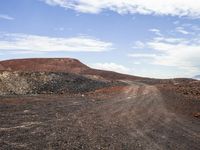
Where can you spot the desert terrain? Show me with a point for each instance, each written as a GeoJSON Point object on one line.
{"type": "Point", "coordinates": [64, 104]}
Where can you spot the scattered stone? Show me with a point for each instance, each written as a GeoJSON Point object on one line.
{"type": "Point", "coordinates": [29, 83]}
{"type": "Point", "coordinates": [197, 115]}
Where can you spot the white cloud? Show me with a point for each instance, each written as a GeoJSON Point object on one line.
{"type": "Point", "coordinates": [176, 22]}
{"type": "Point", "coordinates": [142, 55]}
{"type": "Point", "coordinates": [173, 50]}
{"type": "Point", "coordinates": [179, 53]}
{"type": "Point", "coordinates": [182, 55]}
{"type": "Point", "coordinates": [195, 28]}
{"type": "Point", "coordinates": [156, 31]}
{"type": "Point", "coordinates": [136, 62]}
{"type": "Point", "coordinates": [138, 45]}
{"type": "Point", "coordinates": [168, 39]}
{"type": "Point", "coordinates": [112, 67]}
{"type": "Point", "coordinates": [6, 17]}
{"type": "Point", "coordinates": [182, 30]}
{"type": "Point", "coordinates": [25, 42]}
{"type": "Point", "coordinates": [156, 7]}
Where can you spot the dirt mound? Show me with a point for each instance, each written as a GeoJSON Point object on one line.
{"type": "Point", "coordinates": [26, 83]}
{"type": "Point", "coordinates": [44, 64]}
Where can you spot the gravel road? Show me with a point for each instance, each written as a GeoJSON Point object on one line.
{"type": "Point", "coordinates": [134, 119]}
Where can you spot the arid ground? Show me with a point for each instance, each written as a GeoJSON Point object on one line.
{"type": "Point", "coordinates": [142, 114]}
{"type": "Point", "coordinates": [135, 117]}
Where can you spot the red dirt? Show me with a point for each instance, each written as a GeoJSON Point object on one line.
{"type": "Point", "coordinates": [67, 65]}
{"type": "Point", "coordinates": [111, 90]}
{"type": "Point", "coordinates": [44, 64]}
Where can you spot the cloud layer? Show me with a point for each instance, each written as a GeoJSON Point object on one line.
{"type": "Point", "coordinates": [35, 43]}
{"type": "Point", "coordinates": [156, 7]}
{"type": "Point", "coordinates": [112, 67]}
{"type": "Point", "coordinates": [181, 53]}
{"type": "Point", "coordinates": [6, 17]}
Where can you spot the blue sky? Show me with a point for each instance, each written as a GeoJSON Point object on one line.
{"type": "Point", "coordinates": [152, 38]}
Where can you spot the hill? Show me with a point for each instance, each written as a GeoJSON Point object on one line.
{"type": "Point", "coordinates": [68, 65]}
{"type": "Point", "coordinates": [29, 83]}
{"type": "Point", "coordinates": [197, 77]}
{"type": "Point", "coordinates": [53, 76]}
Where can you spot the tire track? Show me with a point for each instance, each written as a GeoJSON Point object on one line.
{"type": "Point", "coordinates": [141, 114]}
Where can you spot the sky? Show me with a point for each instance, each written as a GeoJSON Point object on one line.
{"type": "Point", "coordinates": [154, 38]}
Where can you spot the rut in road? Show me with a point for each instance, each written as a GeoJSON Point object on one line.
{"type": "Point", "coordinates": [138, 119]}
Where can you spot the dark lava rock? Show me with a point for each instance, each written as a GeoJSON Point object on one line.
{"type": "Point", "coordinates": [23, 83]}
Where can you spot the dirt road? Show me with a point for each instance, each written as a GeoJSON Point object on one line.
{"type": "Point", "coordinates": [135, 119]}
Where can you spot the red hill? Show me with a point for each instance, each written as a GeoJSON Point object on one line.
{"type": "Point", "coordinates": [66, 65]}
{"type": "Point", "coordinates": [44, 64]}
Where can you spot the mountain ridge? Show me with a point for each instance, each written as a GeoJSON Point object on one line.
{"type": "Point", "coordinates": [67, 65]}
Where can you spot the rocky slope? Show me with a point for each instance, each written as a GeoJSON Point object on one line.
{"type": "Point", "coordinates": [67, 65]}
{"type": "Point", "coordinates": [52, 76]}
{"type": "Point", "coordinates": [23, 83]}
